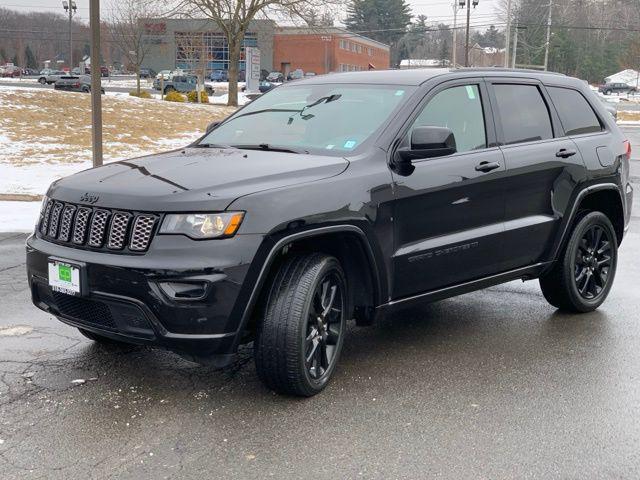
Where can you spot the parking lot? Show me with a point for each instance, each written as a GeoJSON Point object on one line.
{"type": "Point", "coordinates": [493, 384]}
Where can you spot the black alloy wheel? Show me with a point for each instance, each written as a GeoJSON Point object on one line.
{"type": "Point", "coordinates": [302, 331]}
{"type": "Point", "coordinates": [593, 262]}
{"type": "Point", "coordinates": [324, 326]}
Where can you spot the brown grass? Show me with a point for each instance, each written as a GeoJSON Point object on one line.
{"type": "Point", "coordinates": [55, 126]}
{"type": "Point", "coordinates": [628, 116]}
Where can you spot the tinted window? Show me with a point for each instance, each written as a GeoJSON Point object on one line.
{"type": "Point", "coordinates": [459, 109]}
{"type": "Point", "coordinates": [523, 113]}
{"type": "Point", "coordinates": [575, 113]}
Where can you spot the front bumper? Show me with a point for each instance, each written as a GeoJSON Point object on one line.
{"type": "Point", "coordinates": [133, 298]}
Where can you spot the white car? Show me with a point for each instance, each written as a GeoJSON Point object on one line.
{"type": "Point", "coordinates": [168, 74]}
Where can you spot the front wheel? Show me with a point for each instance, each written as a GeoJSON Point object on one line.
{"type": "Point", "coordinates": [301, 336]}
{"type": "Point", "coordinates": [583, 274]}
{"type": "Point", "coordinates": [42, 81]}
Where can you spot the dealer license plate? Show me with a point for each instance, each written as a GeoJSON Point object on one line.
{"type": "Point", "coordinates": [64, 277]}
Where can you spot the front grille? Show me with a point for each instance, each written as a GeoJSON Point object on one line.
{"type": "Point", "coordinates": [97, 228]}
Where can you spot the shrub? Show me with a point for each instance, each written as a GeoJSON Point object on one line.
{"type": "Point", "coordinates": [193, 98]}
{"type": "Point", "coordinates": [174, 96]}
{"type": "Point", "coordinates": [143, 94]}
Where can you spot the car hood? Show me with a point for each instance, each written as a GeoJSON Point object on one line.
{"type": "Point", "coordinates": [192, 179]}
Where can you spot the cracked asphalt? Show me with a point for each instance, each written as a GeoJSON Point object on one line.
{"type": "Point", "coordinates": [493, 384]}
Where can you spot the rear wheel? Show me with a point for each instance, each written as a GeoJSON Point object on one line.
{"type": "Point", "coordinates": [169, 89]}
{"type": "Point", "coordinates": [42, 81]}
{"type": "Point", "coordinates": [583, 274]}
{"type": "Point", "coordinates": [301, 336]}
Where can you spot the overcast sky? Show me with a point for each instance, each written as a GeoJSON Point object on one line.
{"type": "Point", "coordinates": [436, 10]}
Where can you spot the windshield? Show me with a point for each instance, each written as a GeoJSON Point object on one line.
{"type": "Point", "coordinates": [332, 118]}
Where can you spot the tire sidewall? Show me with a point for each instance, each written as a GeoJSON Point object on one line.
{"type": "Point", "coordinates": [588, 221]}
{"type": "Point", "coordinates": [330, 265]}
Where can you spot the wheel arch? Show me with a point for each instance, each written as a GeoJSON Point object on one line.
{"type": "Point", "coordinates": [349, 244]}
{"type": "Point", "coordinates": [604, 197]}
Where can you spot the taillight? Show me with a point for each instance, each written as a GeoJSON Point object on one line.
{"type": "Point", "coordinates": [627, 149]}
{"type": "Point", "coordinates": [76, 85]}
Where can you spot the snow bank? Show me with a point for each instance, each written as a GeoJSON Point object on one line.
{"type": "Point", "coordinates": [18, 216]}
{"type": "Point", "coordinates": [223, 99]}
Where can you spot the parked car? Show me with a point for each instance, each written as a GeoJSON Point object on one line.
{"type": "Point", "coordinates": [75, 83]}
{"type": "Point", "coordinates": [79, 71]}
{"type": "Point", "coordinates": [275, 77]}
{"type": "Point", "coordinates": [181, 83]}
{"type": "Point", "coordinates": [165, 74]}
{"type": "Point", "coordinates": [219, 76]}
{"type": "Point", "coordinates": [609, 88]}
{"type": "Point", "coordinates": [296, 74]}
{"type": "Point", "coordinates": [147, 73]}
{"type": "Point", "coordinates": [52, 77]}
{"type": "Point", "coordinates": [265, 86]}
{"type": "Point", "coordinates": [10, 71]}
{"type": "Point", "coordinates": [318, 203]}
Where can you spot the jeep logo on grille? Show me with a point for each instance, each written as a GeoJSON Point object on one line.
{"type": "Point", "coordinates": [88, 198]}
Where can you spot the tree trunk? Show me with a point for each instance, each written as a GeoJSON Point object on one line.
{"type": "Point", "coordinates": [234, 58]}
{"type": "Point", "coordinates": [138, 79]}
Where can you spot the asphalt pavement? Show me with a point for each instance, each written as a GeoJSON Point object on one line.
{"type": "Point", "coordinates": [495, 384]}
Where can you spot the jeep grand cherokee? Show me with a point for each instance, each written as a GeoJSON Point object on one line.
{"type": "Point", "coordinates": [339, 197]}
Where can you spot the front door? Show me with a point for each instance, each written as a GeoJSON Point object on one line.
{"type": "Point", "coordinates": [449, 211]}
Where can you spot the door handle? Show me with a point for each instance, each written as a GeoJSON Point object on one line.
{"type": "Point", "coordinates": [487, 166]}
{"type": "Point", "coordinates": [564, 153]}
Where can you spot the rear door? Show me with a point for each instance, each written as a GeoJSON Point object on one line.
{"type": "Point", "coordinates": [449, 212]}
{"type": "Point", "coordinates": [542, 168]}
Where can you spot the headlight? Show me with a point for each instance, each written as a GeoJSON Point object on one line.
{"type": "Point", "coordinates": [202, 225]}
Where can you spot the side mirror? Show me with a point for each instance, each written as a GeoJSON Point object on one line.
{"type": "Point", "coordinates": [212, 126]}
{"type": "Point", "coordinates": [426, 142]}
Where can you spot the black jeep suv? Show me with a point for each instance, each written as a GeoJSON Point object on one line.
{"type": "Point", "coordinates": [339, 197]}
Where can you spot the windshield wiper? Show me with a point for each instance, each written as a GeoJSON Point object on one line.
{"type": "Point", "coordinates": [265, 111]}
{"type": "Point", "coordinates": [212, 145]}
{"type": "Point", "coordinates": [270, 148]}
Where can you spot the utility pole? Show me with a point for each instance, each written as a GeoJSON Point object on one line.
{"type": "Point", "coordinates": [466, 47]}
{"type": "Point", "coordinates": [71, 8]}
{"type": "Point", "coordinates": [515, 47]}
{"type": "Point", "coordinates": [546, 47]}
{"type": "Point", "coordinates": [456, 7]}
{"type": "Point", "coordinates": [507, 36]}
{"type": "Point", "coordinates": [96, 89]}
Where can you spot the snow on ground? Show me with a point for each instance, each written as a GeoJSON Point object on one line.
{"type": "Point", "coordinates": [46, 134]}
{"type": "Point", "coordinates": [18, 216]}
{"type": "Point", "coordinates": [223, 99]}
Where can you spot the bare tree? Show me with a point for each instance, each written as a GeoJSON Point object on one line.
{"type": "Point", "coordinates": [234, 17]}
{"type": "Point", "coordinates": [127, 28]}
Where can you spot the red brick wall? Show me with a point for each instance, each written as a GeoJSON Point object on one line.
{"type": "Point", "coordinates": [308, 53]}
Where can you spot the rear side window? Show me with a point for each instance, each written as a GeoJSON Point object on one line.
{"type": "Point", "coordinates": [575, 113]}
{"type": "Point", "coordinates": [523, 113]}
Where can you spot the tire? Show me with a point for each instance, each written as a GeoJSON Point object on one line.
{"type": "Point", "coordinates": [301, 335]}
{"type": "Point", "coordinates": [169, 89]}
{"type": "Point", "coordinates": [583, 275]}
{"type": "Point", "coordinates": [42, 81]}
{"type": "Point", "coordinates": [98, 338]}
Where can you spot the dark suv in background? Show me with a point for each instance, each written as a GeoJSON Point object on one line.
{"type": "Point", "coordinates": [345, 196]}
{"type": "Point", "coordinates": [609, 88]}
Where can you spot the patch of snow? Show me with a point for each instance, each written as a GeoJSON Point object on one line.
{"type": "Point", "coordinates": [223, 99]}
{"type": "Point", "coordinates": [15, 331]}
{"type": "Point", "coordinates": [18, 216]}
{"type": "Point", "coordinates": [79, 381]}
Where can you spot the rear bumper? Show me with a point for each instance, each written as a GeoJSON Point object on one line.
{"type": "Point", "coordinates": [132, 298]}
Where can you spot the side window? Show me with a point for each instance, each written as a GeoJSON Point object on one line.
{"type": "Point", "coordinates": [523, 113]}
{"type": "Point", "coordinates": [460, 110]}
{"type": "Point", "coordinates": [575, 113]}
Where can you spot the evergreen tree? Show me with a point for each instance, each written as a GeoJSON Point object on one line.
{"type": "Point", "coordinates": [382, 20]}
{"type": "Point", "coordinates": [29, 58]}
{"type": "Point", "coordinates": [15, 60]}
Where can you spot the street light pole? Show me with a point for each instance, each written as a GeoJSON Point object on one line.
{"type": "Point", "coordinates": [71, 8]}
{"type": "Point", "coordinates": [96, 89]}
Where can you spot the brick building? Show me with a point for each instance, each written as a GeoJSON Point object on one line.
{"type": "Point", "coordinates": [326, 49]}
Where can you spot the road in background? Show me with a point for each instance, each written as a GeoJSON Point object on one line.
{"type": "Point", "coordinates": [493, 384]}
